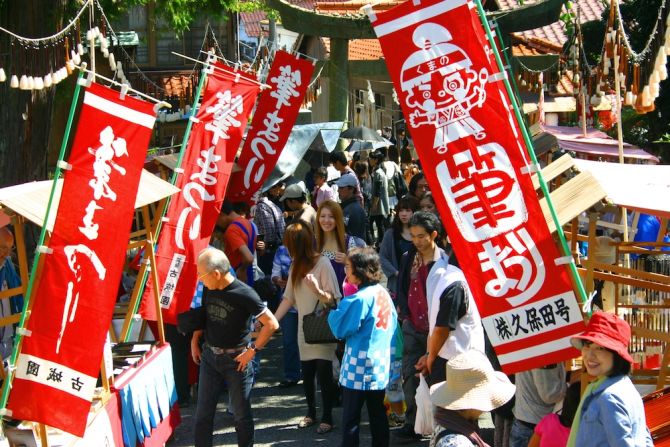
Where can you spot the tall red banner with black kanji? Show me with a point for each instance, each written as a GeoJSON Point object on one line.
{"type": "Point", "coordinates": [454, 100]}
{"type": "Point", "coordinates": [58, 366]}
{"type": "Point", "coordinates": [275, 114]}
{"type": "Point", "coordinates": [189, 222]}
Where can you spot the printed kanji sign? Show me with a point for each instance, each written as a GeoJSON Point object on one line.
{"type": "Point", "coordinates": [462, 124]}
{"type": "Point", "coordinates": [75, 295]}
{"type": "Point", "coordinates": [271, 126]}
{"type": "Point", "coordinates": [191, 216]}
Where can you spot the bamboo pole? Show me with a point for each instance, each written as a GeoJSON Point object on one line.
{"type": "Point", "coordinates": [529, 147]}
{"type": "Point", "coordinates": [143, 278]}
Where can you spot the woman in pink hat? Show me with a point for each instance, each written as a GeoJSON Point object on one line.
{"type": "Point", "coordinates": [611, 412]}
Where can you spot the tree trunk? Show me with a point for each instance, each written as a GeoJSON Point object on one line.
{"type": "Point", "coordinates": [25, 115]}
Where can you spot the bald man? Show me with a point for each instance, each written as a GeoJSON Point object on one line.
{"type": "Point", "coordinates": [8, 280]}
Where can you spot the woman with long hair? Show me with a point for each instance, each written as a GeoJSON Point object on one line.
{"type": "Point", "coordinates": [311, 284]}
{"type": "Point", "coordinates": [397, 241]}
{"type": "Point", "coordinates": [331, 239]}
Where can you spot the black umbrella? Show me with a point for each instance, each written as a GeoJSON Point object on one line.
{"type": "Point", "coordinates": [362, 133]}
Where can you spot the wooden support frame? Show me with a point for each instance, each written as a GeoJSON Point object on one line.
{"type": "Point", "coordinates": [570, 203]}
{"type": "Point", "coordinates": [142, 237]}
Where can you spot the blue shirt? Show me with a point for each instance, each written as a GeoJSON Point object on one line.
{"type": "Point", "coordinates": [367, 321]}
{"type": "Point", "coordinates": [281, 263]}
{"type": "Point", "coordinates": [612, 416]}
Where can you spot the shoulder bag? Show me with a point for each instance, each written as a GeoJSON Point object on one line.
{"type": "Point", "coordinates": [316, 328]}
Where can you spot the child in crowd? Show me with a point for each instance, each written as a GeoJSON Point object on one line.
{"type": "Point", "coordinates": [554, 429]}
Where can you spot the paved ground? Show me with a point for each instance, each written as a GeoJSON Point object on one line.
{"type": "Point", "coordinates": [277, 412]}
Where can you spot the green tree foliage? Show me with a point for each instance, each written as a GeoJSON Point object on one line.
{"type": "Point", "coordinates": [181, 13]}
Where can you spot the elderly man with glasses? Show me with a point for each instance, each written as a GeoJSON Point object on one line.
{"type": "Point", "coordinates": [226, 355]}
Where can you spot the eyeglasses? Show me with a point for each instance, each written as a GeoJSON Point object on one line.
{"type": "Point", "coordinates": [203, 275]}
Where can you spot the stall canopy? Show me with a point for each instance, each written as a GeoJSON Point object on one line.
{"type": "Point", "coordinates": [595, 143]}
{"type": "Point", "coordinates": [644, 188]}
{"type": "Point", "coordinates": [31, 199]}
{"type": "Point", "coordinates": [319, 138]}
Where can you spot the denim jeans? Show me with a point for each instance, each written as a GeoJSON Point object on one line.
{"type": "Point", "coordinates": [289, 331]}
{"type": "Point", "coordinates": [414, 347]}
{"type": "Point", "coordinates": [519, 435]}
{"type": "Point", "coordinates": [215, 372]}
{"type": "Point", "coordinates": [352, 403]}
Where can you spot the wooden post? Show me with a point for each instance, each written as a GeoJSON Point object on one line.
{"type": "Point", "coordinates": [593, 218]}
{"type": "Point", "coordinates": [338, 82]}
{"type": "Point", "coordinates": [574, 229]}
{"type": "Point", "coordinates": [154, 273]}
{"type": "Point", "coordinates": [134, 297]}
{"type": "Point", "coordinates": [156, 288]}
{"type": "Point", "coordinates": [662, 229]}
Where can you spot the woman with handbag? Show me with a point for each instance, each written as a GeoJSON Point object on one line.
{"type": "Point", "coordinates": [366, 320]}
{"type": "Point", "coordinates": [312, 285]}
{"type": "Point", "coordinates": [332, 241]}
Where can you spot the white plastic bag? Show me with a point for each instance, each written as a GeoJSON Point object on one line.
{"type": "Point", "coordinates": [423, 424]}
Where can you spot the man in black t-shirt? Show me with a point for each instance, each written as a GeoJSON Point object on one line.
{"type": "Point", "coordinates": [226, 355]}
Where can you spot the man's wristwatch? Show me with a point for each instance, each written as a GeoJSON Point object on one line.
{"type": "Point", "coordinates": [253, 347]}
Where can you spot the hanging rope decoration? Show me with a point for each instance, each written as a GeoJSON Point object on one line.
{"type": "Point", "coordinates": [127, 60]}
{"type": "Point", "coordinates": [39, 63]}
{"type": "Point", "coordinates": [640, 73]}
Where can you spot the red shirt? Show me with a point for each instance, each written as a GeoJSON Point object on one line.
{"type": "Point", "coordinates": [234, 238]}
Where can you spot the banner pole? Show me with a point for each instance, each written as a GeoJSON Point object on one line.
{"type": "Point", "coordinates": [531, 153]}
{"type": "Point", "coordinates": [26, 299]}
{"type": "Point", "coordinates": [173, 181]}
{"type": "Point", "coordinates": [508, 63]}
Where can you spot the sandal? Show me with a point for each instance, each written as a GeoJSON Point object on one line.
{"type": "Point", "coordinates": [324, 428]}
{"type": "Point", "coordinates": [306, 422]}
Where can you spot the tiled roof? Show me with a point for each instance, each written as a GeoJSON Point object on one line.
{"type": "Point", "coordinates": [589, 10]}
{"type": "Point", "coordinates": [176, 85]}
{"type": "Point", "coordinates": [533, 47]}
{"type": "Point", "coordinates": [252, 22]}
{"type": "Point", "coordinates": [505, 5]}
{"type": "Point", "coordinates": [360, 49]}
{"type": "Point", "coordinates": [564, 87]}
{"type": "Point", "coordinates": [352, 8]}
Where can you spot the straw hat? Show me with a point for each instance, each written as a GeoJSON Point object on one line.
{"type": "Point", "coordinates": [472, 384]}
{"type": "Point", "coordinates": [608, 331]}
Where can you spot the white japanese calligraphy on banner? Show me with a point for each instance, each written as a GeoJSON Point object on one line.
{"type": "Point", "coordinates": [215, 137]}
{"type": "Point", "coordinates": [459, 117]}
{"type": "Point", "coordinates": [74, 297]}
{"type": "Point", "coordinates": [275, 115]}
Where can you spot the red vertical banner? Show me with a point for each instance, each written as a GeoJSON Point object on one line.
{"type": "Point", "coordinates": [58, 366]}
{"type": "Point", "coordinates": [271, 125]}
{"type": "Point", "coordinates": [190, 219]}
{"type": "Point", "coordinates": [460, 118]}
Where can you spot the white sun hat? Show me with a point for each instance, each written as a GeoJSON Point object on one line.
{"type": "Point", "coordinates": [472, 384]}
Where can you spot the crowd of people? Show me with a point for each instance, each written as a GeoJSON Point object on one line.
{"type": "Point", "coordinates": [361, 244]}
